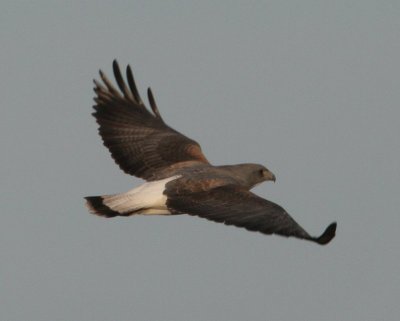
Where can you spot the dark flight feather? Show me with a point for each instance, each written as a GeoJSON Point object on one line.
{"type": "Point", "coordinates": [132, 84]}
{"type": "Point", "coordinates": [139, 140]}
{"type": "Point", "coordinates": [234, 205]}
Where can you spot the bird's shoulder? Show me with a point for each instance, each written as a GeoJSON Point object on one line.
{"type": "Point", "coordinates": [199, 179]}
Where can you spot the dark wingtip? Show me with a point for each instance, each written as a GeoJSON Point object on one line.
{"type": "Point", "coordinates": [132, 85]}
{"type": "Point", "coordinates": [116, 70]}
{"type": "Point", "coordinates": [153, 104]}
{"type": "Point", "coordinates": [328, 234]}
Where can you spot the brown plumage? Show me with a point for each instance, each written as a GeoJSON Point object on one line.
{"type": "Point", "coordinates": [180, 178]}
{"type": "Point", "coordinates": [139, 140]}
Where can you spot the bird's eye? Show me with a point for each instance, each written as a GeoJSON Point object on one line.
{"type": "Point", "coordinates": [262, 171]}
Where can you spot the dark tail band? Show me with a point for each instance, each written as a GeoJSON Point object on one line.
{"type": "Point", "coordinates": [96, 206]}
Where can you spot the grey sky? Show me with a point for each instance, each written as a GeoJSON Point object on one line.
{"type": "Point", "coordinates": [308, 88]}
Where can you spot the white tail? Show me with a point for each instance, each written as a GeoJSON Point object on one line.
{"type": "Point", "coordinates": [148, 198]}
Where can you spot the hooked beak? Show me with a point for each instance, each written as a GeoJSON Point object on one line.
{"type": "Point", "coordinates": [271, 177]}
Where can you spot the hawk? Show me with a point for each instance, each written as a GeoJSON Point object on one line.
{"type": "Point", "coordinates": [179, 178]}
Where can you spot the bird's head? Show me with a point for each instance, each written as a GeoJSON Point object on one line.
{"type": "Point", "coordinates": [261, 174]}
{"type": "Point", "coordinates": [251, 174]}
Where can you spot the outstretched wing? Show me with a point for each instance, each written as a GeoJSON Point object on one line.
{"type": "Point", "coordinates": [140, 142]}
{"type": "Point", "coordinates": [233, 205]}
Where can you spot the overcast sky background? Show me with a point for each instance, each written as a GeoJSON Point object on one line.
{"type": "Point", "coordinates": [308, 88]}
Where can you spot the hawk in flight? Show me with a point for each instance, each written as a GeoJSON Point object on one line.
{"type": "Point", "coordinates": [180, 179]}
